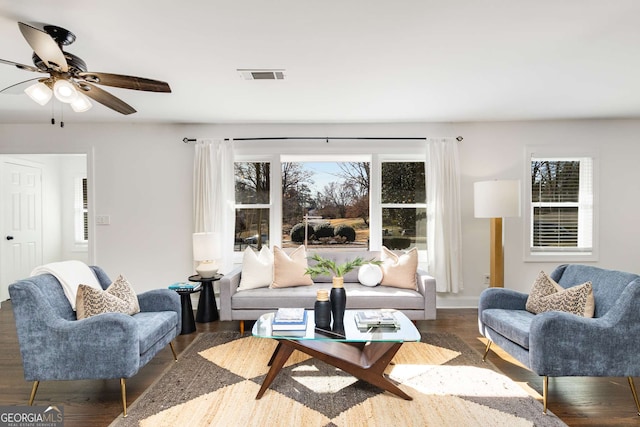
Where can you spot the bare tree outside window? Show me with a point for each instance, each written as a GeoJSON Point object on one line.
{"type": "Point", "coordinates": [326, 204]}
{"type": "Point", "coordinates": [252, 187]}
{"type": "Point", "coordinates": [404, 213]}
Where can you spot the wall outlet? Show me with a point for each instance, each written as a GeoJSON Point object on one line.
{"type": "Point", "coordinates": [103, 220]}
{"type": "Point", "coordinates": [487, 279]}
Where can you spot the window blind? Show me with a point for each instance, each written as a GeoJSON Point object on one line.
{"type": "Point", "coordinates": [562, 205]}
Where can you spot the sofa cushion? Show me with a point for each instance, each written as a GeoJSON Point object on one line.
{"type": "Point", "coordinates": [153, 326]}
{"type": "Point", "coordinates": [399, 270]}
{"type": "Point", "coordinates": [547, 295]}
{"type": "Point", "coordinates": [119, 297]}
{"type": "Point", "coordinates": [358, 296]}
{"type": "Point", "coordinates": [512, 324]}
{"type": "Point", "coordinates": [290, 270]}
{"type": "Point", "coordinates": [257, 269]}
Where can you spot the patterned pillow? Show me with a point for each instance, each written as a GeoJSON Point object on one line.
{"type": "Point", "coordinates": [547, 295]}
{"type": "Point", "coordinates": [290, 270]}
{"type": "Point", "coordinates": [119, 297]}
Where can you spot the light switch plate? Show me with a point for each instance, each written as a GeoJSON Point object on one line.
{"type": "Point", "coordinates": [103, 220]}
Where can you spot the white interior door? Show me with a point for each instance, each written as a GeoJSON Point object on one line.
{"type": "Point", "coordinates": [21, 223]}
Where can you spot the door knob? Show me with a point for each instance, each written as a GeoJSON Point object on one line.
{"type": "Point", "coordinates": [9, 237]}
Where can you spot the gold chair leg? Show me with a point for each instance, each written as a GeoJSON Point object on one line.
{"type": "Point", "coordinates": [635, 395]}
{"type": "Point", "coordinates": [486, 351]}
{"type": "Point", "coordinates": [173, 350]}
{"type": "Point", "coordinates": [545, 393]}
{"type": "Point", "coordinates": [34, 389]}
{"type": "Point", "coordinates": [242, 327]}
{"type": "Point", "coordinates": [123, 391]}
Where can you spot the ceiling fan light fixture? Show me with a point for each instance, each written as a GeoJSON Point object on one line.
{"type": "Point", "coordinates": [64, 91]}
{"type": "Point", "coordinates": [39, 92]}
{"type": "Point", "coordinates": [81, 103]}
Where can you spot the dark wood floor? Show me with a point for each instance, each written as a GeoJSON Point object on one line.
{"type": "Point", "coordinates": [577, 401]}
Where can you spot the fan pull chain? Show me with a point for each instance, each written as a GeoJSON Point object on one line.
{"type": "Point", "coordinates": [53, 121]}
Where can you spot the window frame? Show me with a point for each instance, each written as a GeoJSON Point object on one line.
{"type": "Point", "coordinates": [81, 213]}
{"type": "Point", "coordinates": [275, 180]}
{"type": "Point", "coordinates": [293, 150]}
{"type": "Point", "coordinates": [563, 255]}
{"type": "Point", "coordinates": [377, 172]}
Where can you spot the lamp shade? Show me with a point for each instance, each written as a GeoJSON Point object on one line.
{"type": "Point", "coordinates": [496, 199]}
{"type": "Point", "coordinates": [205, 246]}
{"type": "Point", "coordinates": [64, 91]}
{"type": "Point", "coordinates": [81, 103]}
{"type": "Point", "coordinates": [39, 92]}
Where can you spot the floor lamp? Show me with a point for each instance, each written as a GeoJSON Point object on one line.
{"type": "Point", "coordinates": [496, 200]}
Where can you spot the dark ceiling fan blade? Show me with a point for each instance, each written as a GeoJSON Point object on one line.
{"type": "Point", "coordinates": [105, 98]}
{"type": "Point", "coordinates": [21, 66]}
{"type": "Point", "coordinates": [125, 82]}
{"type": "Point", "coordinates": [44, 46]}
{"type": "Point", "coordinates": [18, 88]}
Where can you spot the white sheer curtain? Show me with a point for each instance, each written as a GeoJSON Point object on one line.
{"type": "Point", "coordinates": [213, 194]}
{"type": "Point", "coordinates": [444, 235]}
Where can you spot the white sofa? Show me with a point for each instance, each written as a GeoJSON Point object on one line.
{"type": "Point", "coordinates": [250, 304]}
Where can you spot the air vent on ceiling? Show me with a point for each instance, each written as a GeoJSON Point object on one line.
{"type": "Point", "coordinates": [262, 74]}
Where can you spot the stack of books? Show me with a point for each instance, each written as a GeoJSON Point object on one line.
{"type": "Point", "coordinates": [182, 286]}
{"type": "Point", "coordinates": [376, 319]}
{"type": "Point", "coordinates": [290, 319]}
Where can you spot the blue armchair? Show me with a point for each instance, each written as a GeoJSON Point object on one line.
{"type": "Point", "coordinates": [56, 346]}
{"type": "Point", "coordinates": [556, 344]}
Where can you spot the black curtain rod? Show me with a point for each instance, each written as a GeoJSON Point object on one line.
{"type": "Point", "coordinates": [326, 138]}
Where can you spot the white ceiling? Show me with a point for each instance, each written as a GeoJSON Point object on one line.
{"type": "Point", "coordinates": [345, 60]}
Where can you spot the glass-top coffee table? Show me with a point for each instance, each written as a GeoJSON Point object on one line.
{"type": "Point", "coordinates": [363, 354]}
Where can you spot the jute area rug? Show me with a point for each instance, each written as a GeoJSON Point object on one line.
{"type": "Point", "coordinates": [215, 381]}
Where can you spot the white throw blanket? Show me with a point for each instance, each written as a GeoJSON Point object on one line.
{"type": "Point", "coordinates": [70, 274]}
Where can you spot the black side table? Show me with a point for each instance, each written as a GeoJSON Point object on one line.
{"type": "Point", "coordinates": [188, 322]}
{"type": "Point", "coordinates": [207, 307]}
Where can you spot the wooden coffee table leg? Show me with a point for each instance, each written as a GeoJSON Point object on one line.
{"type": "Point", "coordinates": [274, 354]}
{"type": "Point", "coordinates": [364, 362]}
{"type": "Point", "coordinates": [278, 359]}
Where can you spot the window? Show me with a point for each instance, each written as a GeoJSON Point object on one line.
{"type": "Point", "coordinates": [81, 220]}
{"type": "Point", "coordinates": [325, 204]}
{"type": "Point", "coordinates": [403, 202]}
{"type": "Point", "coordinates": [349, 201]}
{"type": "Point", "coordinates": [253, 204]}
{"type": "Point", "coordinates": [561, 214]}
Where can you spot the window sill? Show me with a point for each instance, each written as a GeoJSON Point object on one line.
{"type": "Point", "coordinates": [561, 257]}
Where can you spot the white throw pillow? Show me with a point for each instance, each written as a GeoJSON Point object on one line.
{"type": "Point", "coordinates": [257, 269]}
{"type": "Point", "coordinates": [369, 275]}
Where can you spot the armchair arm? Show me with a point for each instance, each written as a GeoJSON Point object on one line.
{"type": "Point", "coordinates": [427, 287]}
{"type": "Point", "coordinates": [507, 299]}
{"type": "Point", "coordinates": [563, 344]}
{"type": "Point", "coordinates": [160, 300]}
{"type": "Point", "coordinates": [228, 286]}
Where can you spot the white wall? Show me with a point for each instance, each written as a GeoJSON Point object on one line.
{"type": "Point", "coordinates": [143, 181]}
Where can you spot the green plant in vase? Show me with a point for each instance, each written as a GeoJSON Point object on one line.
{"type": "Point", "coordinates": [328, 267]}
{"type": "Point", "coordinates": [338, 295]}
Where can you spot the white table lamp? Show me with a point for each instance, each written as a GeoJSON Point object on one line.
{"type": "Point", "coordinates": [496, 200]}
{"type": "Point", "coordinates": [206, 251]}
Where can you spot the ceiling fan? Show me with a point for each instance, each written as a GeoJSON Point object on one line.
{"type": "Point", "coordinates": [69, 80]}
